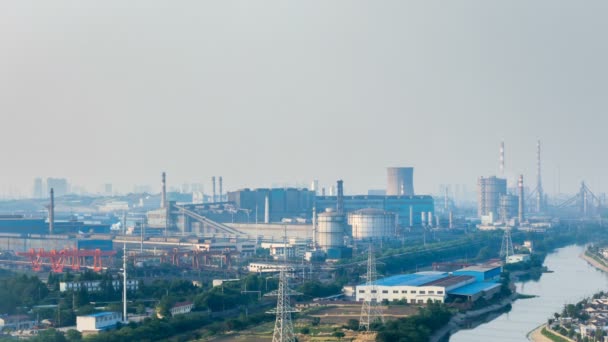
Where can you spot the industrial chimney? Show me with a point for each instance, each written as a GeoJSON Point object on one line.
{"type": "Point", "coordinates": [213, 181]}
{"type": "Point", "coordinates": [163, 191]}
{"type": "Point", "coordinates": [451, 220]}
{"type": "Point", "coordinates": [539, 183]}
{"type": "Point", "coordinates": [520, 212]}
{"type": "Point", "coordinates": [502, 158]}
{"type": "Point", "coordinates": [411, 216]}
{"type": "Point", "coordinates": [267, 209]}
{"type": "Point", "coordinates": [221, 193]}
{"type": "Point", "coordinates": [52, 212]}
{"type": "Point", "coordinates": [340, 199]}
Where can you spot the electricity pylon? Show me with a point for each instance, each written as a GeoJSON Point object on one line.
{"type": "Point", "coordinates": [283, 327]}
{"type": "Point", "coordinates": [370, 310]}
{"type": "Point", "coordinates": [507, 245]}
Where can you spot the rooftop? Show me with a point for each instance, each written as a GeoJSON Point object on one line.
{"type": "Point", "coordinates": [101, 314]}
{"type": "Point", "coordinates": [472, 289]}
{"type": "Point", "coordinates": [414, 279]}
{"type": "Point", "coordinates": [449, 281]}
{"type": "Point", "coordinates": [479, 268]}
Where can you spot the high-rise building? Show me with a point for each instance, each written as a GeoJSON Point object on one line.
{"type": "Point", "coordinates": [400, 181]}
{"type": "Point", "coordinates": [38, 188]}
{"type": "Point", "coordinates": [489, 191]}
{"type": "Point", "coordinates": [60, 185]}
{"type": "Point", "coordinates": [107, 189]}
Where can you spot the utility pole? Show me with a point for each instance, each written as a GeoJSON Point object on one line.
{"type": "Point", "coordinates": [124, 283]}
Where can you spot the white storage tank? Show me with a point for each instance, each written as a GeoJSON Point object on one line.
{"type": "Point", "coordinates": [330, 229]}
{"type": "Point", "coordinates": [372, 224]}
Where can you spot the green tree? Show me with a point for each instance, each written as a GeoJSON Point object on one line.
{"type": "Point", "coordinates": [50, 335]}
{"type": "Point", "coordinates": [73, 335]}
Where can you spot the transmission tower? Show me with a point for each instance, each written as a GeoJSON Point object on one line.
{"type": "Point", "coordinates": [507, 244]}
{"type": "Point", "coordinates": [283, 327]}
{"type": "Point", "coordinates": [370, 310]}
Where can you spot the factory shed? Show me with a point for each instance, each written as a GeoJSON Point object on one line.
{"type": "Point", "coordinates": [481, 273]}
{"type": "Point", "coordinates": [474, 291]}
{"type": "Point", "coordinates": [416, 288]}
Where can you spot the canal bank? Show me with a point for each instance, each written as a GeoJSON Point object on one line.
{"type": "Point", "coordinates": [572, 280]}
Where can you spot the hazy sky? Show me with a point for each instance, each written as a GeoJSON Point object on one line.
{"type": "Point", "coordinates": [273, 92]}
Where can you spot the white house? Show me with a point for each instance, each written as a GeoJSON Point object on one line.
{"type": "Point", "coordinates": [97, 322]}
{"type": "Point", "coordinates": [181, 308]}
{"type": "Point", "coordinates": [95, 285]}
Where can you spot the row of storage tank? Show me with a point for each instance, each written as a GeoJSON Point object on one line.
{"type": "Point", "coordinates": [366, 224]}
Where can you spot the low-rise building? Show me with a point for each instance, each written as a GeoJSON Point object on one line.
{"type": "Point", "coordinates": [267, 267]}
{"type": "Point", "coordinates": [181, 308]}
{"type": "Point", "coordinates": [95, 285]}
{"type": "Point", "coordinates": [481, 272]}
{"type": "Point", "coordinates": [515, 258]}
{"type": "Point", "coordinates": [416, 288]}
{"type": "Point", "coordinates": [293, 248]}
{"type": "Point", "coordinates": [97, 322]}
{"type": "Point", "coordinates": [16, 322]}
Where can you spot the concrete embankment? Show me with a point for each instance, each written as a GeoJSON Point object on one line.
{"type": "Point", "coordinates": [594, 262]}
{"type": "Point", "coordinates": [537, 336]}
{"type": "Point", "coordinates": [458, 320]}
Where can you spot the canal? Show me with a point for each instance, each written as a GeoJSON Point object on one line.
{"type": "Point", "coordinates": [572, 280]}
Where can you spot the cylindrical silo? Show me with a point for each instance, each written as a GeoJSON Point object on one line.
{"type": "Point", "coordinates": [372, 224]}
{"type": "Point", "coordinates": [400, 181]}
{"type": "Point", "coordinates": [330, 230]}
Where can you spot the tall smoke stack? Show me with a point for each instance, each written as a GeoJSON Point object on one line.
{"type": "Point", "coordinates": [539, 185]}
{"type": "Point", "coordinates": [520, 187]}
{"type": "Point", "coordinates": [411, 216]}
{"type": "Point", "coordinates": [163, 191]}
{"type": "Point", "coordinates": [340, 199]}
{"type": "Point", "coordinates": [221, 192]}
{"type": "Point", "coordinates": [267, 209]}
{"type": "Point", "coordinates": [52, 212]}
{"type": "Point", "coordinates": [451, 220]}
{"type": "Point", "coordinates": [213, 182]}
{"type": "Point", "coordinates": [314, 226]}
{"type": "Point", "coordinates": [502, 158]}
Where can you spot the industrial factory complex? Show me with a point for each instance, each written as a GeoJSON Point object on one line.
{"type": "Point", "coordinates": [315, 236]}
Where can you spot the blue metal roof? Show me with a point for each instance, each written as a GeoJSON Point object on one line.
{"type": "Point", "coordinates": [99, 314]}
{"type": "Point", "coordinates": [473, 289]}
{"type": "Point", "coordinates": [414, 279]}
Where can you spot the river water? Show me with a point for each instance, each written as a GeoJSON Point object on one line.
{"type": "Point", "coordinates": [573, 279]}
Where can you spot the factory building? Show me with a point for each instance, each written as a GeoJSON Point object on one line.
{"type": "Point", "coordinates": [489, 191]}
{"type": "Point", "coordinates": [402, 206]}
{"type": "Point", "coordinates": [293, 248]}
{"type": "Point", "coordinates": [416, 288]}
{"type": "Point", "coordinates": [273, 205]}
{"type": "Point", "coordinates": [59, 185]}
{"type": "Point", "coordinates": [469, 283]}
{"type": "Point", "coordinates": [482, 273]}
{"type": "Point", "coordinates": [400, 181]}
{"type": "Point", "coordinates": [18, 224]}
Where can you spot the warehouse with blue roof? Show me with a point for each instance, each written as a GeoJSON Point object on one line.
{"type": "Point", "coordinates": [470, 284]}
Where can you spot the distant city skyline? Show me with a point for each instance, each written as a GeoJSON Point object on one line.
{"type": "Point", "coordinates": [284, 93]}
